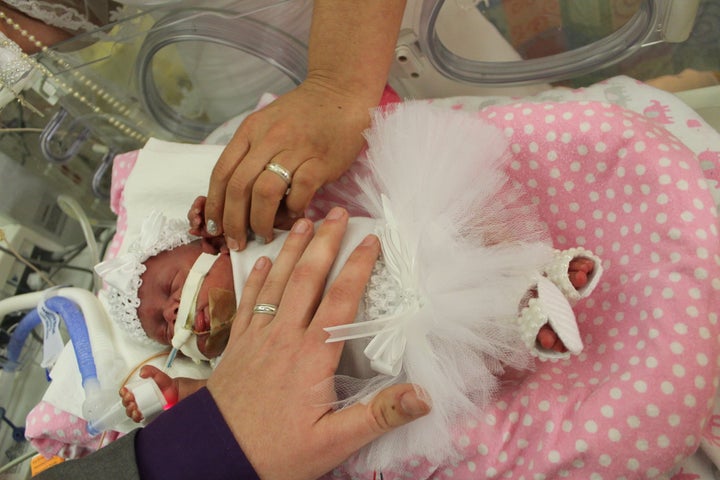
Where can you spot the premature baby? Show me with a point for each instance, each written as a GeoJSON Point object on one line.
{"type": "Point", "coordinates": [467, 284]}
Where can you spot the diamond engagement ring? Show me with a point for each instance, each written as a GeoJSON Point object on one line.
{"type": "Point", "coordinates": [280, 171]}
{"type": "Point", "coordinates": [265, 308]}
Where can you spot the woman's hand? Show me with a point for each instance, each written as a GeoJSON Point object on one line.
{"type": "Point", "coordinates": [314, 132]}
{"type": "Point", "coordinates": [268, 385]}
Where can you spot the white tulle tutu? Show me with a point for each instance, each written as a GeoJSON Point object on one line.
{"type": "Point", "coordinates": [461, 247]}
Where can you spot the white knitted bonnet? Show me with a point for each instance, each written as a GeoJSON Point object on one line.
{"type": "Point", "coordinates": [122, 273]}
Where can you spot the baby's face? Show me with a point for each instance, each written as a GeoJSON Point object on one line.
{"type": "Point", "coordinates": [162, 284]}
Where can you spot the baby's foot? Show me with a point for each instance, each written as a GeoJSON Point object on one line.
{"type": "Point", "coordinates": [579, 270]}
{"type": "Point", "coordinates": [547, 339]}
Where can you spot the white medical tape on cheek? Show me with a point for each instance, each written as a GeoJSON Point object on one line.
{"type": "Point", "coordinates": [188, 297]}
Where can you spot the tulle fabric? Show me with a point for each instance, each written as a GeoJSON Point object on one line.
{"type": "Point", "coordinates": [461, 248]}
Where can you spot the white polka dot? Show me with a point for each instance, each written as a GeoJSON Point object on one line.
{"type": "Point", "coordinates": [591, 426]}
{"type": "Point", "coordinates": [581, 445]}
{"type": "Point", "coordinates": [702, 359]}
{"type": "Point", "coordinates": [677, 348]}
{"type": "Point", "coordinates": [674, 420]}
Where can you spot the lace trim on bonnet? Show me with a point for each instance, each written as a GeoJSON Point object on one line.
{"type": "Point", "coordinates": [122, 273]}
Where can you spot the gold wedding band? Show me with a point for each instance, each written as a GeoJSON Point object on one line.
{"type": "Point", "coordinates": [265, 308]}
{"type": "Point", "coordinates": [280, 171]}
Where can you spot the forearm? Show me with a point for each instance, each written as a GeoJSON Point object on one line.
{"type": "Point", "coordinates": [352, 44]}
{"type": "Point", "coordinates": [191, 440]}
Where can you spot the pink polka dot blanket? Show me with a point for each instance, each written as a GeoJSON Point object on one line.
{"type": "Point", "coordinates": [627, 172]}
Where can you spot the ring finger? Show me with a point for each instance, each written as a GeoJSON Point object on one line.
{"type": "Point", "coordinates": [267, 193]}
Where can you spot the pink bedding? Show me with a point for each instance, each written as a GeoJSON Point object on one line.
{"type": "Point", "coordinates": [636, 402]}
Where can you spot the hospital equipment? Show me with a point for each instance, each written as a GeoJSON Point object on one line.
{"type": "Point", "coordinates": [437, 56]}
{"type": "Point", "coordinates": [430, 61]}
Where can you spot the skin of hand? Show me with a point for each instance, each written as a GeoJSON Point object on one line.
{"type": "Point", "coordinates": [314, 131]}
{"type": "Point", "coordinates": [173, 389]}
{"type": "Point", "coordinates": [266, 386]}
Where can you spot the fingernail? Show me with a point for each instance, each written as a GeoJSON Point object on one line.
{"type": "Point", "coordinates": [369, 240]}
{"type": "Point", "coordinates": [211, 227]}
{"type": "Point", "coordinates": [301, 226]}
{"type": "Point", "coordinates": [412, 404]}
{"type": "Point", "coordinates": [261, 262]}
{"type": "Point", "coordinates": [335, 213]}
{"type": "Point", "coordinates": [232, 244]}
{"type": "Point", "coordinates": [260, 240]}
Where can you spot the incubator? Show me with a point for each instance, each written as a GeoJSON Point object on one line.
{"type": "Point", "coordinates": [160, 70]}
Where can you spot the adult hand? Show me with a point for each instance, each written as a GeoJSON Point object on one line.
{"type": "Point", "coordinates": [266, 384]}
{"type": "Point", "coordinates": [314, 132]}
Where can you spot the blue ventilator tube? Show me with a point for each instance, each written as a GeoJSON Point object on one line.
{"type": "Point", "coordinates": [18, 338]}
{"type": "Point", "coordinates": [77, 329]}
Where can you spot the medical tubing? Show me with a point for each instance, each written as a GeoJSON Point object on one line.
{"type": "Point", "coordinates": [84, 300]}
{"type": "Point", "coordinates": [77, 329]}
{"type": "Point", "coordinates": [72, 207]}
{"type": "Point", "coordinates": [18, 338]}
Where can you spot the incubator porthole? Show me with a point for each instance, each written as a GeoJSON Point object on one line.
{"type": "Point", "coordinates": [553, 40]}
{"type": "Point", "coordinates": [207, 49]}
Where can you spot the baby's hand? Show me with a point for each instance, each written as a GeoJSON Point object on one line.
{"type": "Point", "coordinates": [131, 408]}
{"type": "Point", "coordinates": [196, 217]}
{"type": "Point", "coordinates": [168, 386]}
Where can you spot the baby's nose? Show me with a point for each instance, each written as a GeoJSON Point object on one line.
{"type": "Point", "coordinates": [170, 311]}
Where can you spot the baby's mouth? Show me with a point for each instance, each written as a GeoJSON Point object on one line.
{"type": "Point", "coordinates": [202, 322]}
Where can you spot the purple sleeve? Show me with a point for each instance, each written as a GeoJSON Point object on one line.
{"type": "Point", "coordinates": [191, 440]}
